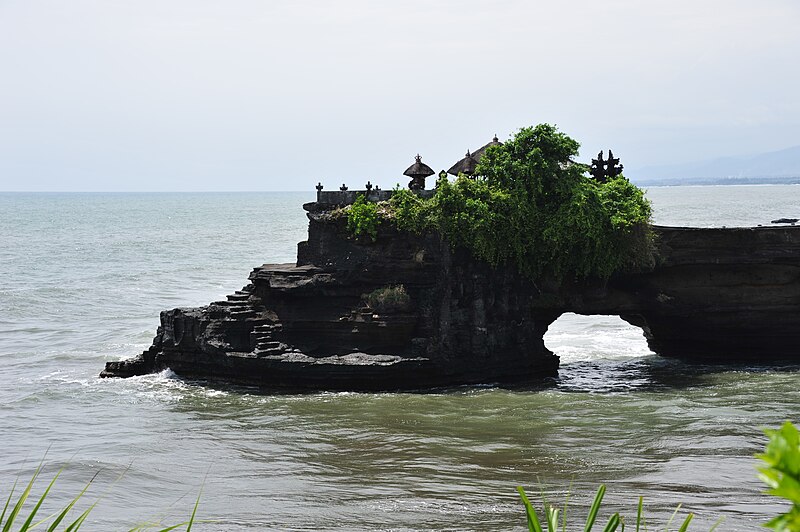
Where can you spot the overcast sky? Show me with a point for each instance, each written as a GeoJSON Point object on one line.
{"type": "Point", "coordinates": [268, 95]}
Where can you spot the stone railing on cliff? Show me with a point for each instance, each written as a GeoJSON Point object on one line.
{"type": "Point", "coordinates": [715, 295]}
{"type": "Point", "coordinates": [338, 198]}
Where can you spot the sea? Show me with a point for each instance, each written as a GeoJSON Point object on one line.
{"type": "Point", "coordinates": [83, 277]}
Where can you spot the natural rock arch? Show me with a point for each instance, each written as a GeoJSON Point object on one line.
{"type": "Point", "coordinates": [714, 295]}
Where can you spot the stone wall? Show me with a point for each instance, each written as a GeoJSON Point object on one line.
{"type": "Point", "coordinates": [348, 197]}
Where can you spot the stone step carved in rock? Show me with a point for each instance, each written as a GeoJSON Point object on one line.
{"type": "Point", "coordinates": [242, 314]}
{"type": "Point", "coordinates": [268, 344]}
{"type": "Point", "coordinates": [232, 303]}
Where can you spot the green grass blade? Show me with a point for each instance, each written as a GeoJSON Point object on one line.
{"type": "Point", "coordinates": [8, 501]}
{"type": "Point", "coordinates": [79, 521]}
{"type": "Point", "coordinates": [639, 514]}
{"type": "Point", "coordinates": [194, 511]}
{"type": "Point", "coordinates": [173, 527]}
{"type": "Point", "coordinates": [22, 498]}
{"type": "Point", "coordinates": [69, 507]}
{"type": "Point", "coordinates": [612, 524]}
{"type": "Point", "coordinates": [552, 519]}
{"type": "Point", "coordinates": [533, 521]}
{"type": "Point", "coordinates": [188, 523]}
{"type": "Point", "coordinates": [673, 516]}
{"type": "Point", "coordinates": [140, 528]}
{"type": "Point", "coordinates": [27, 524]}
{"type": "Point", "coordinates": [716, 524]}
{"type": "Point", "coordinates": [81, 518]}
{"type": "Point", "coordinates": [564, 513]}
{"type": "Point", "coordinates": [545, 506]}
{"type": "Point", "coordinates": [598, 500]}
{"type": "Point", "coordinates": [685, 525]}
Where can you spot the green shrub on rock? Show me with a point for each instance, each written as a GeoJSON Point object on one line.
{"type": "Point", "coordinates": [387, 299]}
{"type": "Point", "coordinates": [363, 218]}
{"type": "Point", "coordinates": [530, 205]}
{"type": "Point", "coordinates": [409, 211]}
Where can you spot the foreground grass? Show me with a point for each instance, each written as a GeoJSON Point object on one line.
{"type": "Point", "coordinates": [12, 515]}
{"type": "Point", "coordinates": [781, 473]}
{"type": "Point", "coordinates": [555, 518]}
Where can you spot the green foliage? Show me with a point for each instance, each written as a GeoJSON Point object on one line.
{"type": "Point", "coordinates": [389, 298]}
{"type": "Point", "coordinates": [614, 522]}
{"type": "Point", "coordinates": [533, 207]}
{"type": "Point", "coordinates": [8, 519]}
{"type": "Point", "coordinates": [630, 214]}
{"type": "Point", "coordinates": [411, 213]}
{"type": "Point", "coordinates": [782, 474]}
{"type": "Point", "coordinates": [625, 203]}
{"type": "Point", "coordinates": [363, 219]}
{"type": "Point", "coordinates": [551, 514]}
{"type": "Point", "coordinates": [536, 162]}
{"type": "Point", "coordinates": [12, 515]}
{"type": "Point", "coordinates": [470, 213]}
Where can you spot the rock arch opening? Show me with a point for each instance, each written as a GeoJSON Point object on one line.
{"type": "Point", "coordinates": [577, 337]}
{"type": "Point", "coordinates": [599, 353]}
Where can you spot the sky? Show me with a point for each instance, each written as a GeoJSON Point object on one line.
{"type": "Point", "coordinates": [200, 95]}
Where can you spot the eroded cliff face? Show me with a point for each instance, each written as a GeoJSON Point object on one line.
{"type": "Point", "coordinates": [715, 294]}
{"type": "Point", "coordinates": [721, 295]}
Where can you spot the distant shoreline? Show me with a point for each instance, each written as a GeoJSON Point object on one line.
{"type": "Point", "coordinates": [682, 182]}
{"type": "Point", "coordinates": [674, 182]}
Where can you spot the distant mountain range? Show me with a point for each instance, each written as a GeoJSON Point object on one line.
{"type": "Point", "coordinates": [773, 167]}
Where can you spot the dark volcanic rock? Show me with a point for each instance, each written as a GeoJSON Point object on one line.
{"type": "Point", "coordinates": [715, 295]}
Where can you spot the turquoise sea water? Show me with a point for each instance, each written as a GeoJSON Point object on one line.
{"type": "Point", "coordinates": [83, 278]}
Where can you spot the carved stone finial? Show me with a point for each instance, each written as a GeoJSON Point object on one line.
{"type": "Point", "coordinates": [612, 169]}
{"type": "Point", "coordinates": [603, 170]}
{"type": "Point", "coordinates": [368, 186]}
{"type": "Point", "coordinates": [598, 168]}
{"type": "Point", "coordinates": [343, 187]}
{"type": "Point", "coordinates": [319, 187]}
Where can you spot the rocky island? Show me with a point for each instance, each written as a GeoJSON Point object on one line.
{"type": "Point", "coordinates": [404, 309]}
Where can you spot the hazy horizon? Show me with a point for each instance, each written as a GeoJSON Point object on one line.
{"type": "Point", "coordinates": [251, 96]}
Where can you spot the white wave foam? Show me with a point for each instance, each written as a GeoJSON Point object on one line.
{"type": "Point", "coordinates": [577, 338]}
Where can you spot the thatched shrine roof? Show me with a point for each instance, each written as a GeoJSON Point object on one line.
{"type": "Point", "coordinates": [468, 164]}
{"type": "Point", "coordinates": [465, 166]}
{"type": "Point", "coordinates": [480, 151]}
{"type": "Point", "coordinates": [418, 169]}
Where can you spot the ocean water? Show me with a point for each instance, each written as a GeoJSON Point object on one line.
{"type": "Point", "coordinates": [83, 278]}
